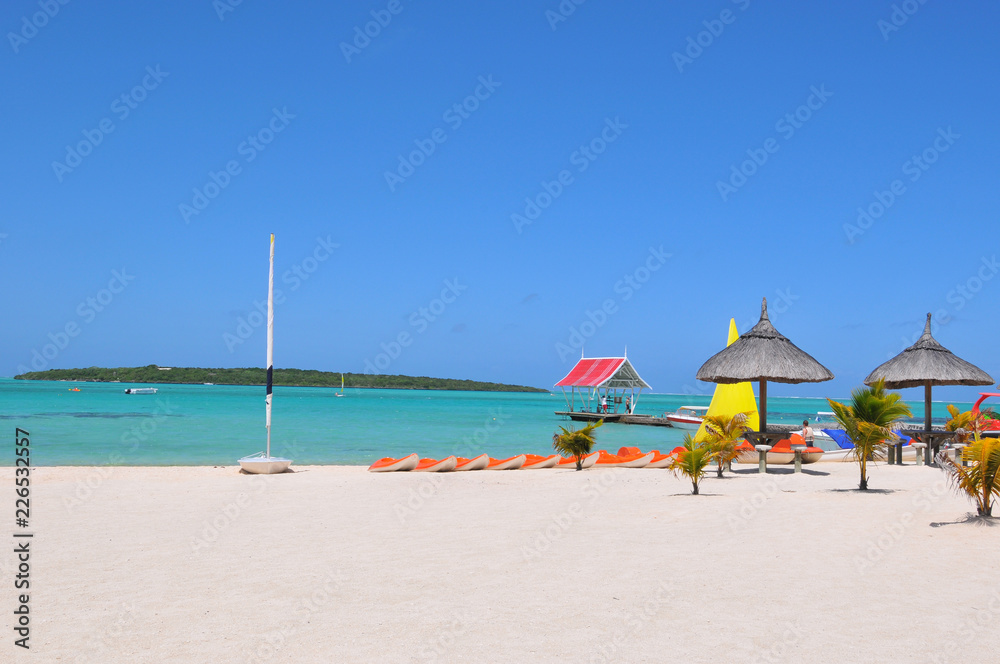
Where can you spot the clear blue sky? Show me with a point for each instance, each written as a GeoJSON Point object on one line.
{"type": "Point", "coordinates": [661, 131]}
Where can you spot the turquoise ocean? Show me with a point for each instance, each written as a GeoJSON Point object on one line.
{"type": "Point", "coordinates": [217, 424]}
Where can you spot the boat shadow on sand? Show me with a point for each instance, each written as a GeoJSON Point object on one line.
{"type": "Point", "coordinates": [772, 470]}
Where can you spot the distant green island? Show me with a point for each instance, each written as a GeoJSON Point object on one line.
{"type": "Point", "coordinates": [257, 376]}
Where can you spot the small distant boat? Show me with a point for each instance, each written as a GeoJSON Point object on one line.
{"type": "Point", "coordinates": [77, 389]}
{"type": "Point", "coordinates": [437, 465]}
{"type": "Point", "coordinates": [570, 462]}
{"type": "Point", "coordinates": [263, 463]}
{"type": "Point", "coordinates": [389, 465]}
{"type": "Point", "coordinates": [475, 463]}
{"type": "Point", "coordinates": [536, 462]}
{"type": "Point", "coordinates": [341, 393]}
{"type": "Point", "coordinates": [513, 463]}
{"type": "Point", "coordinates": [687, 417]}
{"type": "Point", "coordinates": [138, 390]}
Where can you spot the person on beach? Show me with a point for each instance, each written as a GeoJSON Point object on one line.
{"type": "Point", "coordinates": [807, 434]}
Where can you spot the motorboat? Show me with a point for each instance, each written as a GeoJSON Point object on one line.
{"type": "Point", "coordinates": [140, 390]}
{"type": "Point", "coordinates": [687, 417]}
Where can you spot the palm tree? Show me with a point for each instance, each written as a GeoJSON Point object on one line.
{"type": "Point", "coordinates": [981, 479]}
{"type": "Point", "coordinates": [692, 461]}
{"type": "Point", "coordinates": [966, 425]}
{"type": "Point", "coordinates": [576, 443]}
{"type": "Point", "coordinates": [872, 416]}
{"type": "Point", "coordinates": [724, 434]}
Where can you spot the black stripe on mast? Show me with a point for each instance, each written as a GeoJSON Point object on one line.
{"type": "Point", "coordinates": [270, 371]}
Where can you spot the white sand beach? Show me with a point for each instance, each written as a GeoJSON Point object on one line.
{"type": "Point", "coordinates": [334, 564]}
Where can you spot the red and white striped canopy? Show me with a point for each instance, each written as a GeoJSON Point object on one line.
{"type": "Point", "coordinates": [597, 372]}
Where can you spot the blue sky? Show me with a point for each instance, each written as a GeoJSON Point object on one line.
{"type": "Point", "coordinates": [401, 172]}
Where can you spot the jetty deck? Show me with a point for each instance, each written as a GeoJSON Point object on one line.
{"type": "Point", "coordinates": [620, 418]}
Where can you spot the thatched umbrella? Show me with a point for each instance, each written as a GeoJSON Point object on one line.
{"type": "Point", "coordinates": [763, 354]}
{"type": "Point", "coordinates": [928, 363]}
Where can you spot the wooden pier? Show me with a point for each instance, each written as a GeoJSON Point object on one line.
{"type": "Point", "coordinates": [620, 418]}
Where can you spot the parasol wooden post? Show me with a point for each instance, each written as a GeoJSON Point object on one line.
{"type": "Point", "coordinates": [929, 453]}
{"type": "Point", "coordinates": [763, 406]}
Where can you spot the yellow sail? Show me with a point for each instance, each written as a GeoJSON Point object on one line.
{"type": "Point", "coordinates": [732, 398]}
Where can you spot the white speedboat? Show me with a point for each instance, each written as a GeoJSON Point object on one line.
{"type": "Point", "coordinates": [141, 390]}
{"type": "Point", "coordinates": [687, 417]}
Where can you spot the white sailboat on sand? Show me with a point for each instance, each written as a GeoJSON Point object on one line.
{"type": "Point", "coordinates": [263, 463]}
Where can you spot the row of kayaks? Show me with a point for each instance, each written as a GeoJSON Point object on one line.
{"type": "Point", "coordinates": [627, 457]}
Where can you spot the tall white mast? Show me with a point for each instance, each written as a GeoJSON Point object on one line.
{"type": "Point", "coordinates": [270, 343]}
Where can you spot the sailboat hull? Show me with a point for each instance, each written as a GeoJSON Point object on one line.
{"type": "Point", "coordinates": [262, 465]}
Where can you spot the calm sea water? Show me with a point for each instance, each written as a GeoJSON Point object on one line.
{"type": "Point", "coordinates": [217, 424]}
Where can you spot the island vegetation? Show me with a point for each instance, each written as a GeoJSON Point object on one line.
{"type": "Point", "coordinates": [257, 376]}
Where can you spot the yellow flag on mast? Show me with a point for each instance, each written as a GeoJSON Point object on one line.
{"type": "Point", "coordinates": [733, 398]}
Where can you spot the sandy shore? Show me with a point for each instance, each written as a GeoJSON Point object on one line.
{"type": "Point", "coordinates": [334, 564]}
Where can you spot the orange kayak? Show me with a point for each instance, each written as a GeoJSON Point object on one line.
{"type": "Point", "coordinates": [535, 462]}
{"type": "Point", "coordinates": [660, 460]}
{"type": "Point", "coordinates": [475, 463]}
{"type": "Point", "coordinates": [388, 464]}
{"type": "Point", "coordinates": [608, 460]}
{"type": "Point", "coordinates": [570, 462]}
{"type": "Point", "coordinates": [512, 463]}
{"type": "Point", "coordinates": [437, 466]}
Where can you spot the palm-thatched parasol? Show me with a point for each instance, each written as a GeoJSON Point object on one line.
{"type": "Point", "coordinates": [928, 363]}
{"type": "Point", "coordinates": [763, 354]}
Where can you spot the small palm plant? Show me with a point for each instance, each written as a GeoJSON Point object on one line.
{"type": "Point", "coordinates": [872, 416]}
{"type": "Point", "coordinates": [576, 444]}
{"type": "Point", "coordinates": [724, 434]}
{"type": "Point", "coordinates": [980, 480]}
{"type": "Point", "coordinates": [966, 425]}
{"type": "Point", "coordinates": [692, 461]}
